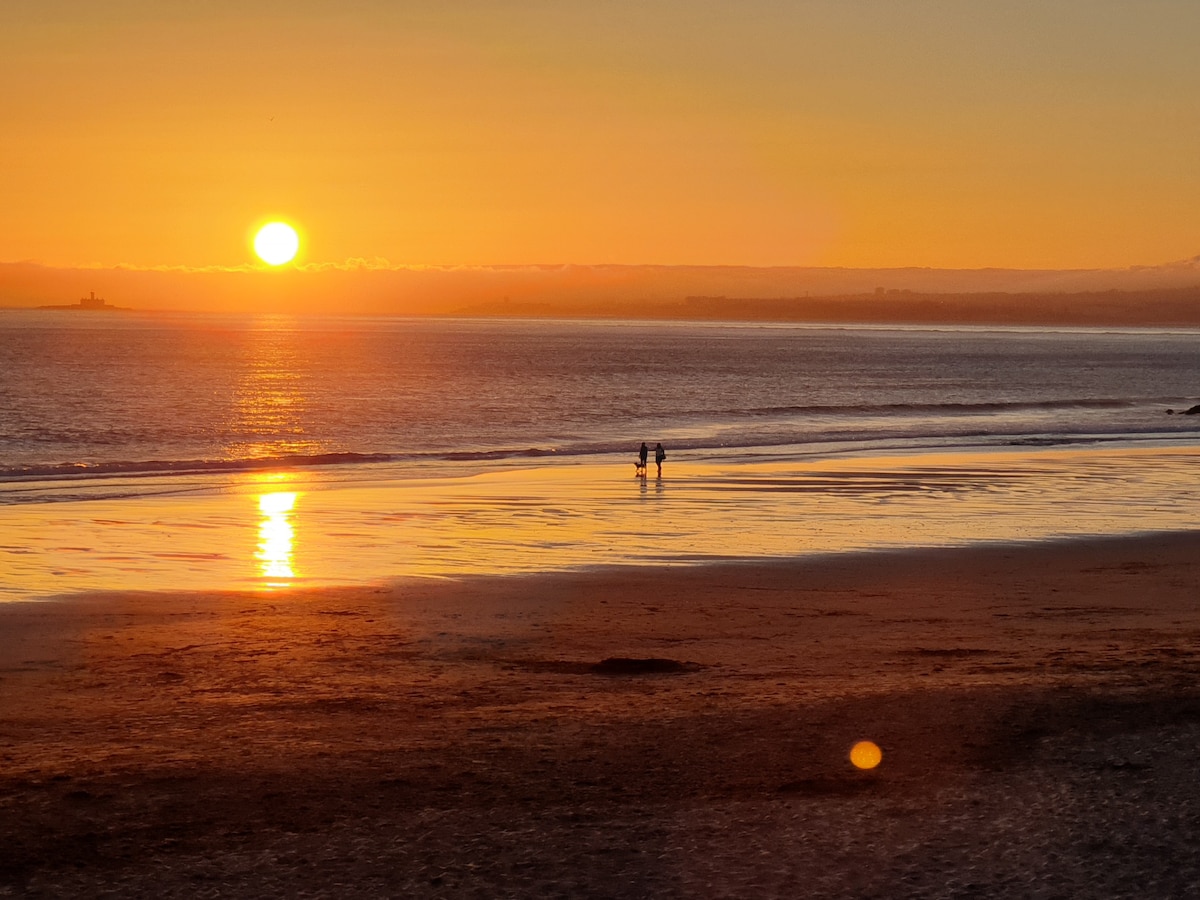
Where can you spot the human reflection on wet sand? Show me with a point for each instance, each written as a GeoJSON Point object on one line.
{"type": "Point", "coordinates": [275, 534]}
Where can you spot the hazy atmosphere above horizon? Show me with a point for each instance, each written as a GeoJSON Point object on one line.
{"type": "Point", "coordinates": [759, 133]}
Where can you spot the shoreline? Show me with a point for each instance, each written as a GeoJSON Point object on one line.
{"type": "Point", "coordinates": [834, 559]}
{"type": "Point", "coordinates": [273, 530]}
{"type": "Point", "coordinates": [1036, 706]}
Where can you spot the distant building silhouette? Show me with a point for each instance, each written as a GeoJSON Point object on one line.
{"type": "Point", "coordinates": [91, 301]}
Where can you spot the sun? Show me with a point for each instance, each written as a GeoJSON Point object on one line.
{"type": "Point", "coordinates": [276, 243]}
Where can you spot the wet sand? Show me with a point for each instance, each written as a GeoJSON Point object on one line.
{"type": "Point", "coordinates": [640, 732]}
{"type": "Point", "coordinates": [346, 525]}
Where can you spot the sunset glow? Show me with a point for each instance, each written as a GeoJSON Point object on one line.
{"type": "Point", "coordinates": [336, 339]}
{"type": "Point", "coordinates": [819, 134]}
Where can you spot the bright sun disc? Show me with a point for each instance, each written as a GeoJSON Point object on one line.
{"type": "Point", "coordinates": [276, 243]}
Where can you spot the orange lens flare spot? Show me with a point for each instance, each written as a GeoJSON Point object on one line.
{"type": "Point", "coordinates": [866, 755]}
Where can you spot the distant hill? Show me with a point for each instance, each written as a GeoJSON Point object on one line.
{"type": "Point", "coordinates": [1180, 306]}
{"type": "Point", "coordinates": [1162, 307]}
{"type": "Point", "coordinates": [1147, 295]}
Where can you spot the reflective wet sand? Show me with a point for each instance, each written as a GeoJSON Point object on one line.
{"type": "Point", "coordinates": [276, 530]}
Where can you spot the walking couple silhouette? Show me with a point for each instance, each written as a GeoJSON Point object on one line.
{"type": "Point", "coordinates": [643, 453]}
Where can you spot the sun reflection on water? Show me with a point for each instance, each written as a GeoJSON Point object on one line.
{"type": "Point", "coordinates": [270, 412]}
{"type": "Point", "coordinates": [275, 538]}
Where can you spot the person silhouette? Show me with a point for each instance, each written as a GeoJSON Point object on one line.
{"type": "Point", "coordinates": [642, 454]}
{"type": "Point", "coordinates": [659, 455]}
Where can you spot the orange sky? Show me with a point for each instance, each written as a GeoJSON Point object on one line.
{"type": "Point", "coordinates": [761, 132]}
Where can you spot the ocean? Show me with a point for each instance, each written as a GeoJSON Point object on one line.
{"type": "Point", "coordinates": [506, 445]}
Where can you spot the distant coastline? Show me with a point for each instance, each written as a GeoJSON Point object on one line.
{"type": "Point", "coordinates": [1174, 307]}
{"type": "Point", "coordinates": [1149, 296]}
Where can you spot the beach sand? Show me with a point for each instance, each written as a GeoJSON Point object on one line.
{"type": "Point", "coordinates": [1038, 709]}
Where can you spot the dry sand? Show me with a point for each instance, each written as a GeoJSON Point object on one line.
{"type": "Point", "coordinates": [1038, 709]}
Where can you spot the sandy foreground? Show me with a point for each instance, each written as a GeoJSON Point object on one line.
{"type": "Point", "coordinates": [643, 732]}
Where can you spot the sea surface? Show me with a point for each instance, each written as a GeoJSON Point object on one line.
{"type": "Point", "coordinates": [504, 445]}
